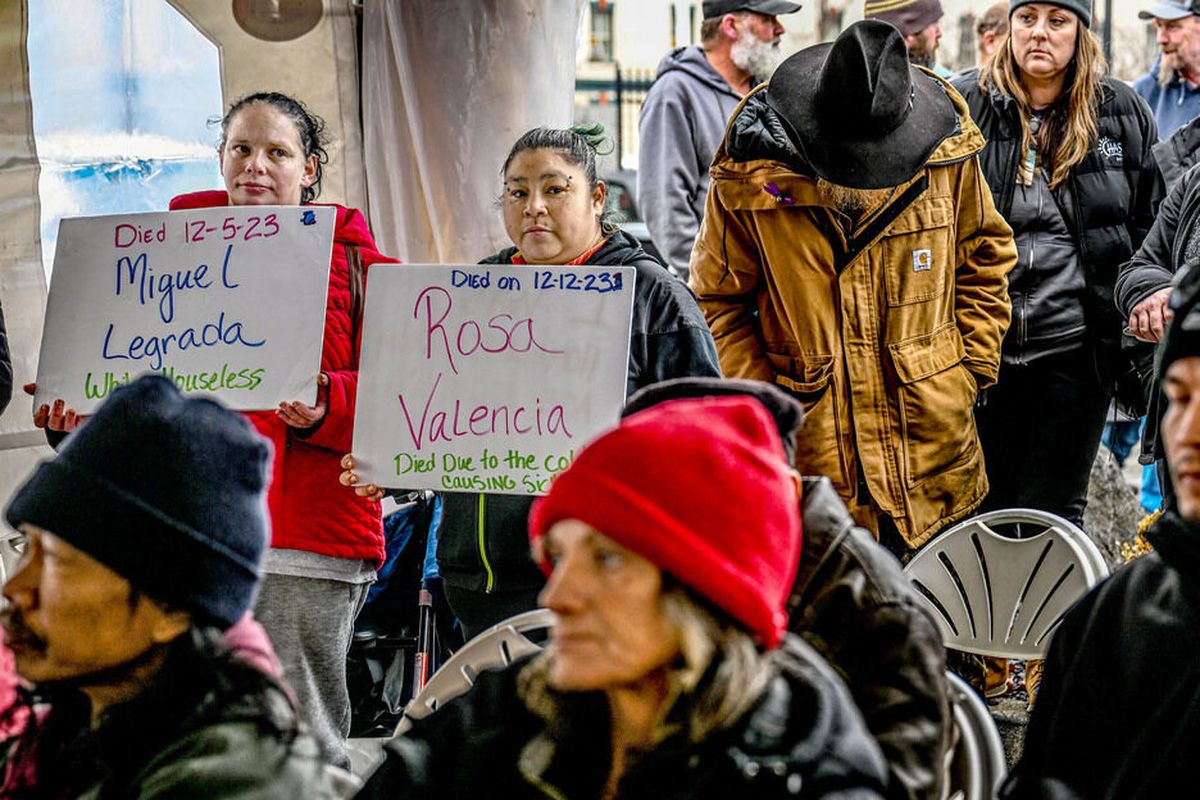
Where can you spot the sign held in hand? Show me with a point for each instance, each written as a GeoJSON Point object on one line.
{"type": "Point", "coordinates": [226, 301]}
{"type": "Point", "coordinates": [488, 378]}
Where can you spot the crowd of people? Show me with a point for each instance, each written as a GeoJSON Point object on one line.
{"type": "Point", "coordinates": [909, 297]}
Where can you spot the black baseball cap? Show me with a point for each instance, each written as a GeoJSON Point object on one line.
{"type": "Point", "coordinates": [773, 8]}
{"type": "Point", "coordinates": [1171, 10]}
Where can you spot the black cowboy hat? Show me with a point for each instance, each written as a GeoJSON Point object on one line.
{"type": "Point", "coordinates": [860, 114]}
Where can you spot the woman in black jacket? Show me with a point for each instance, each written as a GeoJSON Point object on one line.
{"type": "Point", "coordinates": [1069, 164]}
{"type": "Point", "coordinates": [669, 673]}
{"type": "Point", "coordinates": [554, 212]}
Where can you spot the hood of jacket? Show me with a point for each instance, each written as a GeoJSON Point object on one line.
{"type": "Point", "coordinates": [1179, 153]}
{"type": "Point", "coordinates": [755, 139]}
{"type": "Point", "coordinates": [691, 60]}
{"type": "Point", "coordinates": [1152, 73]}
{"type": "Point", "coordinates": [619, 250]}
{"type": "Point", "coordinates": [1177, 541]}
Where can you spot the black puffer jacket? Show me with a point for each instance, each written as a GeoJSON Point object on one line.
{"type": "Point", "coordinates": [853, 604]}
{"type": "Point", "coordinates": [1118, 711]}
{"type": "Point", "coordinates": [803, 739]}
{"type": "Point", "coordinates": [1107, 201]}
{"type": "Point", "coordinates": [483, 543]}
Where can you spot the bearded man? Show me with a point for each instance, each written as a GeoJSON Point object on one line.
{"type": "Point", "coordinates": [683, 117]}
{"type": "Point", "coordinates": [1172, 89]}
{"type": "Point", "coordinates": [851, 254]}
{"type": "Point", "coordinates": [919, 21]}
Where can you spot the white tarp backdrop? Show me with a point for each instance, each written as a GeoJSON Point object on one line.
{"type": "Point", "coordinates": [451, 85]}
{"type": "Point", "coordinates": [447, 88]}
{"type": "Point", "coordinates": [318, 65]}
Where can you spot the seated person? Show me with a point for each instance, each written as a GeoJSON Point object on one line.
{"type": "Point", "coordinates": [144, 541]}
{"type": "Point", "coordinates": [1118, 715]}
{"type": "Point", "coordinates": [852, 602]}
{"type": "Point", "coordinates": [671, 544]}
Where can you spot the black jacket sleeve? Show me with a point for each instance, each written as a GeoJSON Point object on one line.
{"type": "Point", "coordinates": [1151, 267]}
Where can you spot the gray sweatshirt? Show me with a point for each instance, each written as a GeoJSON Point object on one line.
{"type": "Point", "coordinates": [681, 126]}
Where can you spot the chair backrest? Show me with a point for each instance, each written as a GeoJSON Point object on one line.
{"type": "Point", "coordinates": [977, 764]}
{"type": "Point", "coordinates": [1003, 595]}
{"type": "Point", "coordinates": [498, 646]}
{"type": "Point", "coordinates": [344, 784]}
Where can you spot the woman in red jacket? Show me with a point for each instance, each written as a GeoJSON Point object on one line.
{"type": "Point", "coordinates": [325, 542]}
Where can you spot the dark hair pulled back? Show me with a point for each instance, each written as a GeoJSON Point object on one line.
{"type": "Point", "coordinates": [579, 145]}
{"type": "Point", "coordinates": [310, 127]}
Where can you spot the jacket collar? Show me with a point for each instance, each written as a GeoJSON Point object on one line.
{"type": "Point", "coordinates": [782, 732]}
{"type": "Point", "coordinates": [824, 520]}
{"type": "Point", "coordinates": [1177, 541]}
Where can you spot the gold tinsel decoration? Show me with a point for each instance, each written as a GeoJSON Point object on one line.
{"type": "Point", "coordinates": [1138, 546]}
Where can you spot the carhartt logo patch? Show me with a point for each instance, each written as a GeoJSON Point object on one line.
{"type": "Point", "coordinates": [922, 260]}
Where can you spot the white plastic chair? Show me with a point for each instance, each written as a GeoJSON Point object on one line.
{"type": "Point", "coordinates": [977, 764]}
{"type": "Point", "coordinates": [996, 595]}
{"type": "Point", "coordinates": [496, 647]}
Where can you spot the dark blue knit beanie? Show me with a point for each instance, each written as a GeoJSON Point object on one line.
{"type": "Point", "coordinates": [167, 491]}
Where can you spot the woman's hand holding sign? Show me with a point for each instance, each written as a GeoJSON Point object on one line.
{"type": "Point", "coordinates": [300, 415]}
{"type": "Point", "coordinates": [54, 416]}
{"type": "Point", "coordinates": [350, 478]}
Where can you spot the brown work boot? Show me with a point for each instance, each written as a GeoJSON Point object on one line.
{"type": "Point", "coordinates": [996, 679]}
{"type": "Point", "coordinates": [1033, 679]}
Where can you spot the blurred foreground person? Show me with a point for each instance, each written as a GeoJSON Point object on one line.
{"type": "Point", "coordinates": [669, 673]}
{"type": "Point", "coordinates": [1118, 715]}
{"type": "Point", "coordinates": [852, 602]}
{"type": "Point", "coordinates": [144, 541]}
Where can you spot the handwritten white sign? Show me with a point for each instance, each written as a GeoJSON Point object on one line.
{"type": "Point", "coordinates": [225, 301]}
{"type": "Point", "coordinates": [488, 378]}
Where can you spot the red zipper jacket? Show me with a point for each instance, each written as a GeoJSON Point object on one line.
{"type": "Point", "coordinates": [310, 510]}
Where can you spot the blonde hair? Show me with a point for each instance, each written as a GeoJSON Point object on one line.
{"type": "Point", "coordinates": [718, 676]}
{"type": "Point", "coordinates": [1072, 127]}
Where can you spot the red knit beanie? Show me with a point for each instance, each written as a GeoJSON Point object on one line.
{"type": "Point", "coordinates": [700, 488]}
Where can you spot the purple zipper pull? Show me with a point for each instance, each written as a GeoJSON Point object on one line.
{"type": "Point", "coordinates": [779, 196]}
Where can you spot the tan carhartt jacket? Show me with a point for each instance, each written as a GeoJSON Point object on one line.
{"type": "Point", "coordinates": [887, 345]}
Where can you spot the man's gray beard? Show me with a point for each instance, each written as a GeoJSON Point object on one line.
{"type": "Point", "coordinates": [1166, 68]}
{"type": "Point", "coordinates": [755, 56]}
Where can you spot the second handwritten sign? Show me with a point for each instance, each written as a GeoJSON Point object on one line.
{"type": "Point", "coordinates": [488, 378]}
